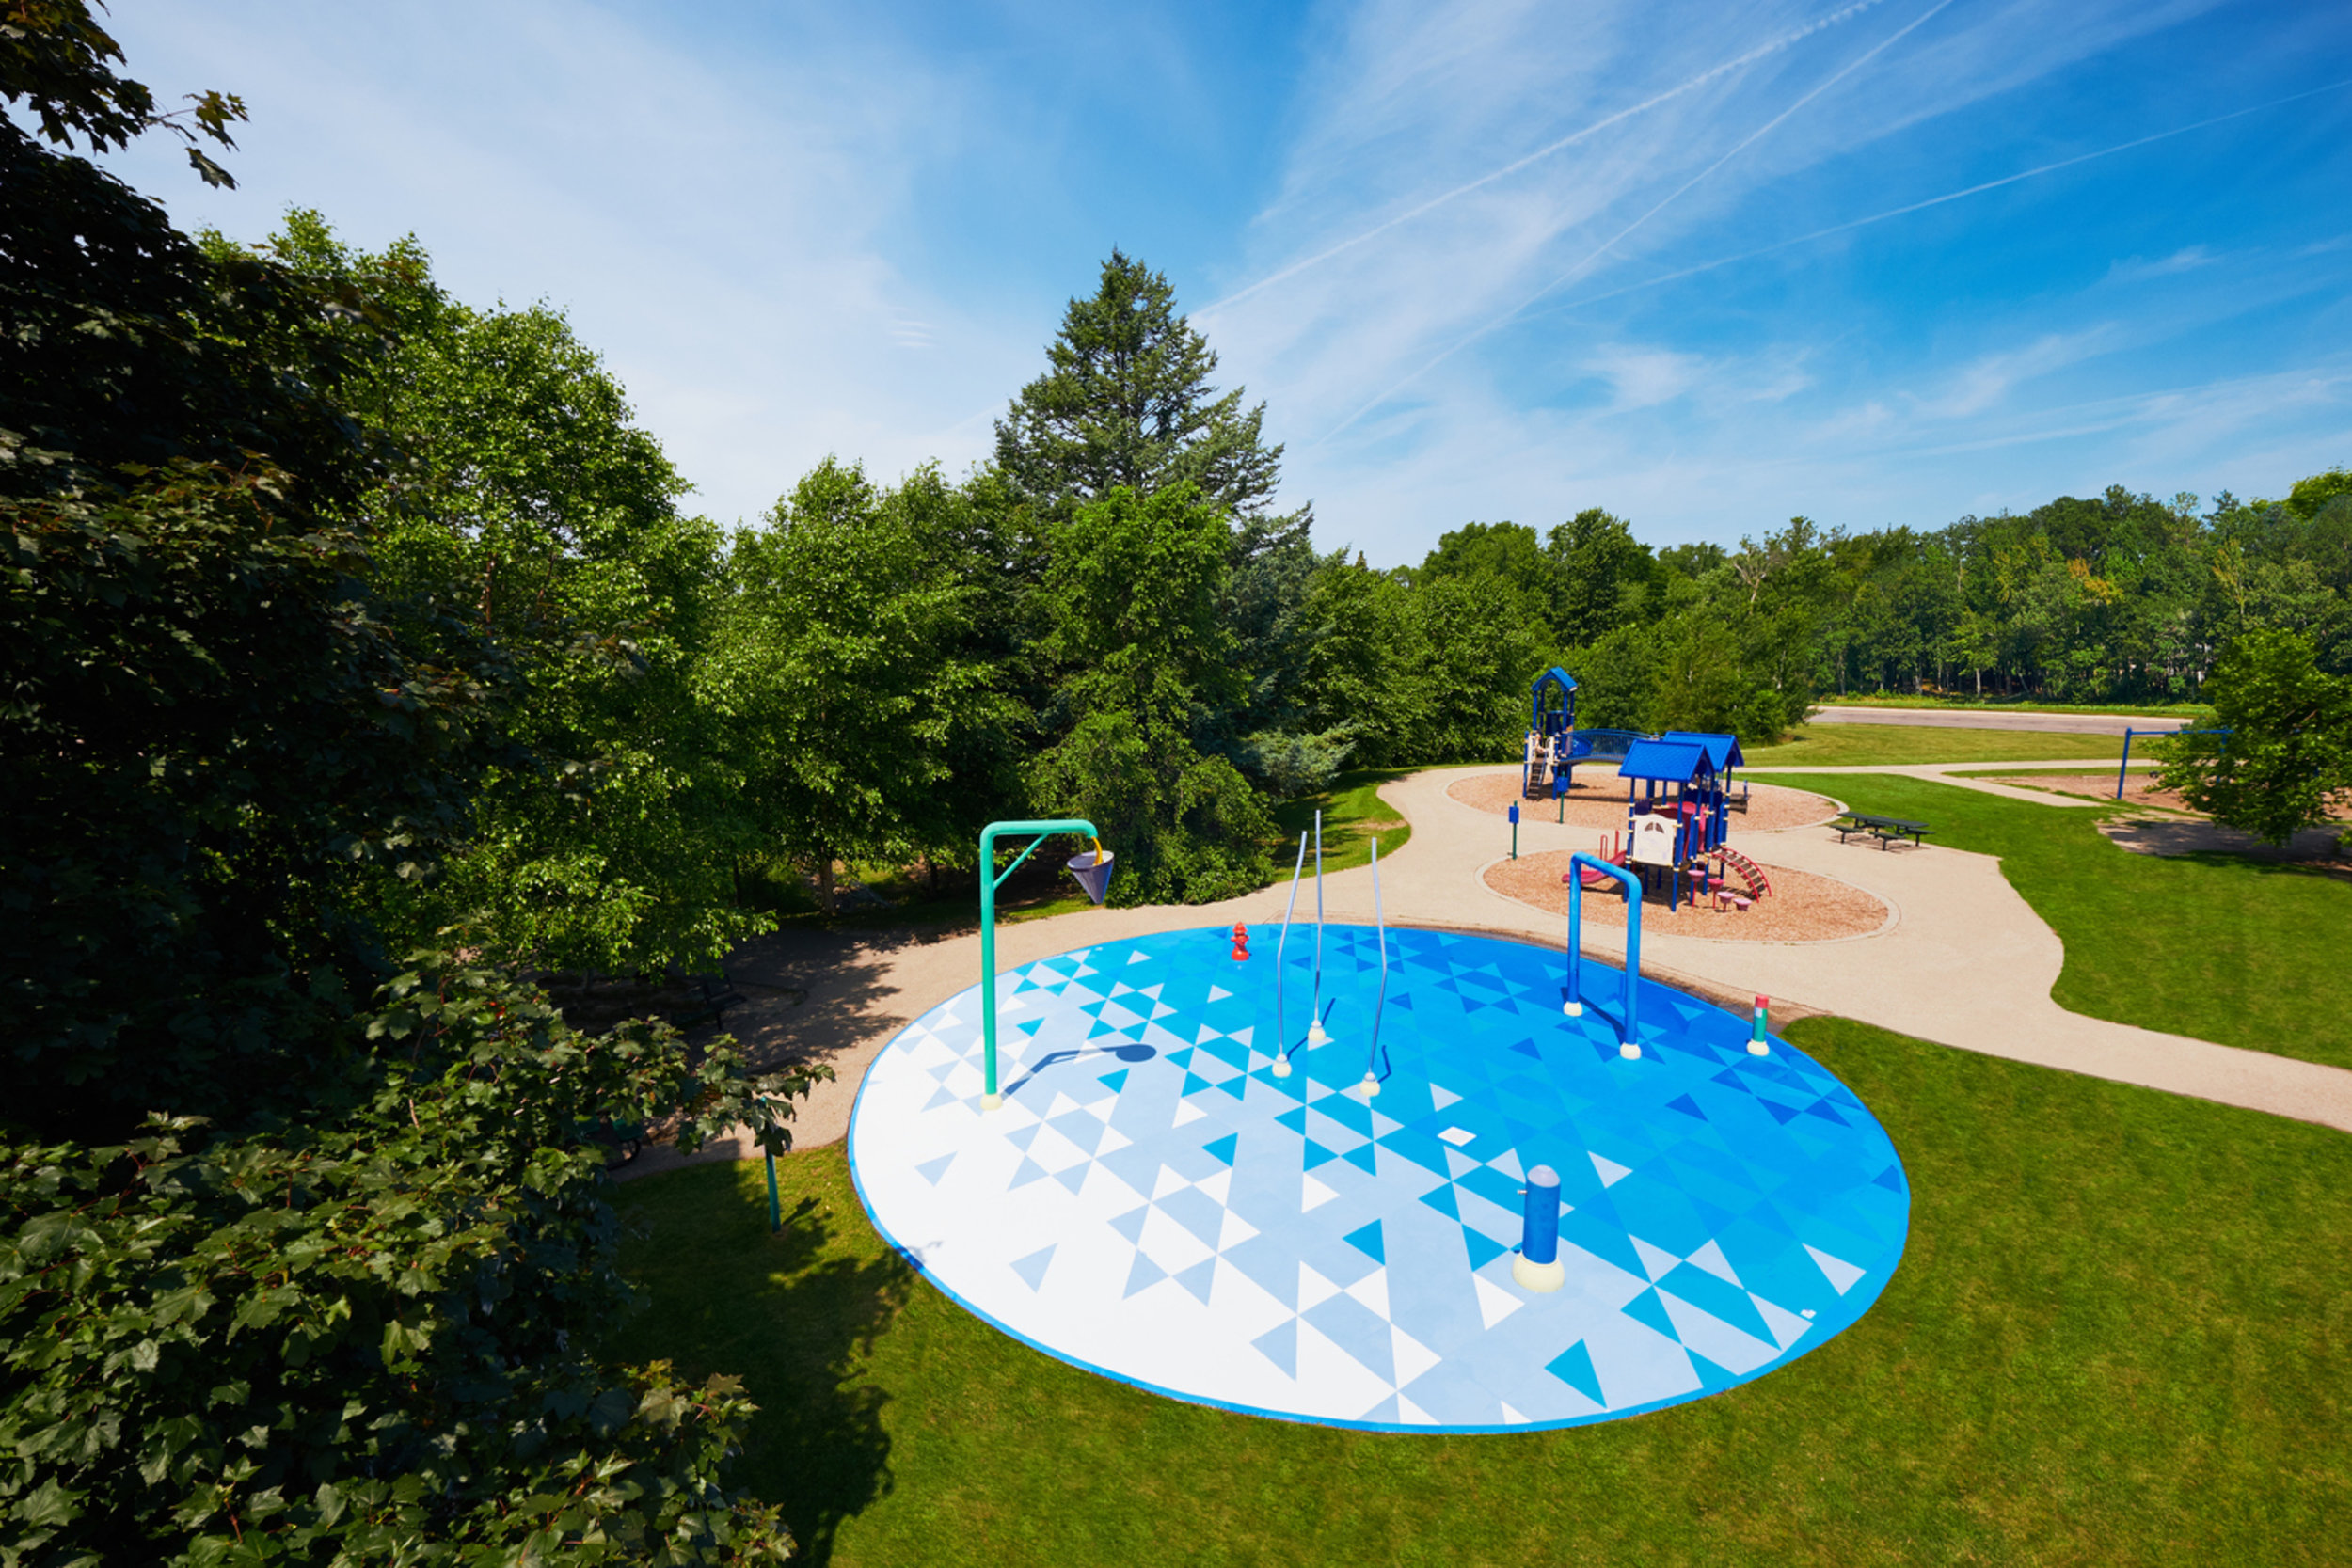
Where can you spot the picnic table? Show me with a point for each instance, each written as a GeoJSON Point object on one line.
{"type": "Point", "coordinates": [1884, 829]}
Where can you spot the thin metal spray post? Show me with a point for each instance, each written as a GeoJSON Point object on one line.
{"type": "Point", "coordinates": [1314, 1029]}
{"type": "Point", "coordinates": [1380, 926]}
{"type": "Point", "coordinates": [1281, 1039]}
{"type": "Point", "coordinates": [775, 1205]}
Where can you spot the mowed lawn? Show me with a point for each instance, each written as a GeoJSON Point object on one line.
{"type": "Point", "coordinates": [2118, 1336]}
{"type": "Point", "coordinates": [2218, 946]}
{"type": "Point", "coordinates": [1865, 745]}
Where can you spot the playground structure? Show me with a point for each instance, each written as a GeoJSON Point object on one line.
{"type": "Point", "coordinates": [1555, 745]}
{"type": "Point", "coordinates": [1679, 800]}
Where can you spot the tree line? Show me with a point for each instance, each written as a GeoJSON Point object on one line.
{"type": "Point", "coordinates": [366, 667]}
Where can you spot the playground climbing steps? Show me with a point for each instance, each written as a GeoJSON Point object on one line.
{"type": "Point", "coordinates": [1759, 886]}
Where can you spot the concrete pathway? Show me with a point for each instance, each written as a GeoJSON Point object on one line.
{"type": "Point", "coordinates": [1981, 719]}
{"type": "Point", "coordinates": [1965, 961]}
{"type": "Point", "coordinates": [1957, 773]}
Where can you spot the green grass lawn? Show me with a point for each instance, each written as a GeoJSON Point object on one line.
{"type": "Point", "coordinates": [1994, 705]}
{"type": "Point", "coordinates": [1861, 745]}
{"type": "Point", "coordinates": [2119, 1336]}
{"type": "Point", "coordinates": [1353, 816]}
{"type": "Point", "coordinates": [2217, 947]}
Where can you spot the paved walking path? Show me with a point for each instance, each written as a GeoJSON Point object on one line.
{"type": "Point", "coordinates": [1997, 718]}
{"type": "Point", "coordinates": [1965, 961]}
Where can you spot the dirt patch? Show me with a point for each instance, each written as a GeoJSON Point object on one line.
{"type": "Point", "coordinates": [2313, 848]}
{"type": "Point", "coordinates": [1802, 907]}
{"type": "Point", "coordinates": [2139, 789]}
{"type": "Point", "coordinates": [1601, 804]}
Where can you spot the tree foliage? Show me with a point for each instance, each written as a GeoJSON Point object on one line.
{"type": "Point", "coordinates": [2286, 762]}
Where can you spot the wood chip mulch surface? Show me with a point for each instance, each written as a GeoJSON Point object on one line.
{"type": "Point", "coordinates": [1802, 907]}
{"type": "Point", "coordinates": [1600, 804]}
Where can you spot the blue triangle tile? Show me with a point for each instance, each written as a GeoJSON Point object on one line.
{"type": "Point", "coordinates": [1527, 1047]}
{"type": "Point", "coordinates": [1296, 1119]}
{"type": "Point", "coordinates": [1361, 1157]}
{"type": "Point", "coordinates": [1143, 1275]}
{"type": "Point", "coordinates": [1648, 1311]}
{"type": "Point", "coordinates": [1821, 1108]}
{"type": "Point", "coordinates": [1279, 1345]}
{"type": "Point", "coordinates": [1781, 1114]}
{"type": "Point", "coordinates": [1130, 1224]}
{"type": "Point", "coordinates": [1405, 1001]}
{"type": "Point", "coordinates": [1179, 1058]}
{"type": "Point", "coordinates": [1021, 1138]}
{"type": "Point", "coordinates": [1688, 1106]}
{"type": "Point", "coordinates": [1222, 1150]}
{"type": "Point", "coordinates": [1032, 1268]}
{"type": "Point", "coordinates": [1367, 1241]}
{"type": "Point", "coordinates": [1891, 1179]}
{"type": "Point", "coordinates": [1237, 1086]}
{"type": "Point", "coordinates": [1031, 1027]}
{"type": "Point", "coordinates": [1317, 1154]}
{"type": "Point", "coordinates": [1114, 1081]}
{"type": "Point", "coordinates": [932, 1170]}
{"type": "Point", "coordinates": [1029, 1171]}
{"type": "Point", "coordinates": [1441, 1199]}
{"type": "Point", "coordinates": [1198, 1278]}
{"type": "Point", "coordinates": [1712, 1377]}
{"type": "Point", "coordinates": [1194, 1084]}
{"type": "Point", "coordinates": [943, 1096]}
{"type": "Point", "coordinates": [1574, 1367]}
{"type": "Point", "coordinates": [1483, 1248]}
{"type": "Point", "coordinates": [1075, 1176]}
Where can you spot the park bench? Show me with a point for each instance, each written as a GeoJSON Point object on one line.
{"type": "Point", "coordinates": [715, 994]}
{"type": "Point", "coordinates": [1886, 830]}
{"type": "Point", "coordinates": [1736, 798]}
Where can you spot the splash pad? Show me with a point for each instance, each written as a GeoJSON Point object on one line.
{"type": "Point", "coordinates": [1153, 1201]}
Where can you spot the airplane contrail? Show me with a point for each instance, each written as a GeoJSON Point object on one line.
{"type": "Point", "coordinates": [1911, 207]}
{"type": "Point", "coordinates": [1542, 153]}
{"type": "Point", "coordinates": [1602, 249]}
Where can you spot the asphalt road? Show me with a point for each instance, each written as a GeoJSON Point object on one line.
{"type": "Point", "coordinates": [1977, 719]}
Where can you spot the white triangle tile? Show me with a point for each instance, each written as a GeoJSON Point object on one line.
{"type": "Point", "coordinates": [1186, 1111]}
{"type": "Point", "coordinates": [1217, 1186]}
{"type": "Point", "coordinates": [1412, 1357]}
{"type": "Point", "coordinates": [1153, 991]}
{"type": "Point", "coordinates": [1314, 1289]}
{"type": "Point", "coordinates": [1512, 1417]}
{"type": "Point", "coordinates": [1440, 1099]}
{"type": "Point", "coordinates": [1139, 957]}
{"type": "Point", "coordinates": [1408, 1411]}
{"type": "Point", "coordinates": [1656, 1261]}
{"type": "Point", "coordinates": [1207, 1035]}
{"type": "Point", "coordinates": [1246, 1033]}
{"type": "Point", "coordinates": [1168, 1181]}
{"type": "Point", "coordinates": [1458, 1165]}
{"type": "Point", "coordinates": [1313, 1194]}
{"type": "Point", "coordinates": [1219, 993]}
{"type": "Point", "coordinates": [1234, 1231]}
{"type": "Point", "coordinates": [1786, 1325]}
{"type": "Point", "coordinates": [1120, 990]}
{"type": "Point", "coordinates": [1061, 1103]}
{"type": "Point", "coordinates": [1508, 1163]}
{"type": "Point", "coordinates": [1711, 1259]}
{"type": "Point", "coordinates": [1373, 1291]}
{"type": "Point", "coordinates": [1494, 1303]}
{"type": "Point", "coordinates": [1382, 1126]}
{"type": "Point", "coordinates": [1841, 1275]}
{"type": "Point", "coordinates": [1113, 1141]}
{"type": "Point", "coordinates": [1609, 1172]}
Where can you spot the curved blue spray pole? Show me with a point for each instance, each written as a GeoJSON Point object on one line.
{"type": "Point", "coordinates": [1372, 1059]}
{"type": "Point", "coordinates": [1314, 1025]}
{"type": "Point", "coordinates": [1281, 1040]}
{"type": "Point", "coordinates": [1629, 994]}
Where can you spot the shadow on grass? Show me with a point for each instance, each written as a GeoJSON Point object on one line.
{"type": "Point", "coordinates": [795, 1314]}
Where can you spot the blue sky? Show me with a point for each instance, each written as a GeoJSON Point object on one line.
{"type": "Point", "coordinates": [1481, 261]}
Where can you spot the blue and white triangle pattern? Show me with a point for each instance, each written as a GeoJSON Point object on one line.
{"type": "Point", "coordinates": [1151, 1202]}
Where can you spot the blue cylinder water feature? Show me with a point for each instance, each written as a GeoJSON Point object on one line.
{"type": "Point", "coordinates": [1538, 1266]}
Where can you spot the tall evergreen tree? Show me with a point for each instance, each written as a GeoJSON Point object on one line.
{"type": "Point", "coordinates": [1127, 401]}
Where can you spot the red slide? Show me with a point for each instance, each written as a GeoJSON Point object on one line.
{"type": "Point", "coordinates": [1759, 885]}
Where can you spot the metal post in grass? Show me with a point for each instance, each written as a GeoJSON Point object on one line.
{"type": "Point", "coordinates": [775, 1205]}
{"type": "Point", "coordinates": [1094, 875]}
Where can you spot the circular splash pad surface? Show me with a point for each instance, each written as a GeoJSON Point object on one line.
{"type": "Point", "coordinates": [1153, 1203]}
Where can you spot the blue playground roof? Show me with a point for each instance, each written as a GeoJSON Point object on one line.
{"type": "Point", "coordinates": [1554, 673]}
{"type": "Point", "coordinates": [1668, 761]}
{"type": "Point", "coordinates": [1722, 749]}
